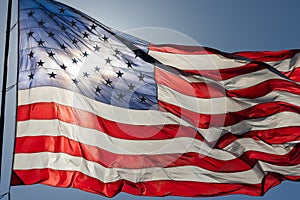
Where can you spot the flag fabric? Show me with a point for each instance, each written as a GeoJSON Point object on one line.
{"type": "Point", "coordinates": [105, 112]}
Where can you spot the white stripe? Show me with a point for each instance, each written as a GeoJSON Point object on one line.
{"type": "Point", "coordinates": [223, 104]}
{"type": "Point", "coordinates": [271, 122]}
{"type": "Point", "coordinates": [60, 161]}
{"type": "Point", "coordinates": [292, 170]}
{"type": "Point", "coordinates": [237, 82]}
{"type": "Point", "coordinates": [240, 146]}
{"type": "Point", "coordinates": [146, 147]}
{"type": "Point", "coordinates": [279, 120]}
{"type": "Point", "coordinates": [112, 113]}
{"type": "Point", "coordinates": [250, 79]}
{"type": "Point", "coordinates": [286, 65]}
{"type": "Point", "coordinates": [65, 97]}
{"type": "Point", "coordinates": [115, 145]}
{"type": "Point", "coordinates": [151, 117]}
{"type": "Point", "coordinates": [196, 62]}
{"type": "Point", "coordinates": [216, 61]}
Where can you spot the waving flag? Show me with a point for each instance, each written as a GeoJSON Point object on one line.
{"type": "Point", "coordinates": [105, 112]}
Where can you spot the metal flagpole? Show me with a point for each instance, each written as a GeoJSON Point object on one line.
{"type": "Point", "coordinates": [4, 80]}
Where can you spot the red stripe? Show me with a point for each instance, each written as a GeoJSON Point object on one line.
{"type": "Point", "coordinates": [78, 180]}
{"type": "Point", "coordinates": [219, 120]}
{"type": "Point", "coordinates": [108, 159]}
{"type": "Point", "coordinates": [211, 90]}
{"type": "Point", "coordinates": [182, 49]}
{"type": "Point", "coordinates": [225, 74]}
{"type": "Point", "coordinates": [265, 88]}
{"type": "Point", "coordinates": [49, 111]}
{"type": "Point", "coordinates": [271, 136]}
{"type": "Point", "coordinates": [294, 74]}
{"type": "Point", "coordinates": [291, 158]}
{"type": "Point", "coordinates": [197, 89]}
{"type": "Point", "coordinates": [266, 56]}
{"type": "Point", "coordinates": [228, 73]}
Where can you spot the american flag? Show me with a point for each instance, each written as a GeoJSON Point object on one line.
{"type": "Point", "coordinates": [105, 112]}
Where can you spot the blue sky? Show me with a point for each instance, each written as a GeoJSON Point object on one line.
{"type": "Point", "coordinates": [231, 25]}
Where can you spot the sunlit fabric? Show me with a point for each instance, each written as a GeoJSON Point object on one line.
{"type": "Point", "coordinates": [105, 112]}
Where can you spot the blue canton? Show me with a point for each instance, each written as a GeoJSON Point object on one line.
{"type": "Point", "coordinates": [65, 48]}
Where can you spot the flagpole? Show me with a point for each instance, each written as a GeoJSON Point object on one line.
{"type": "Point", "coordinates": [4, 80]}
